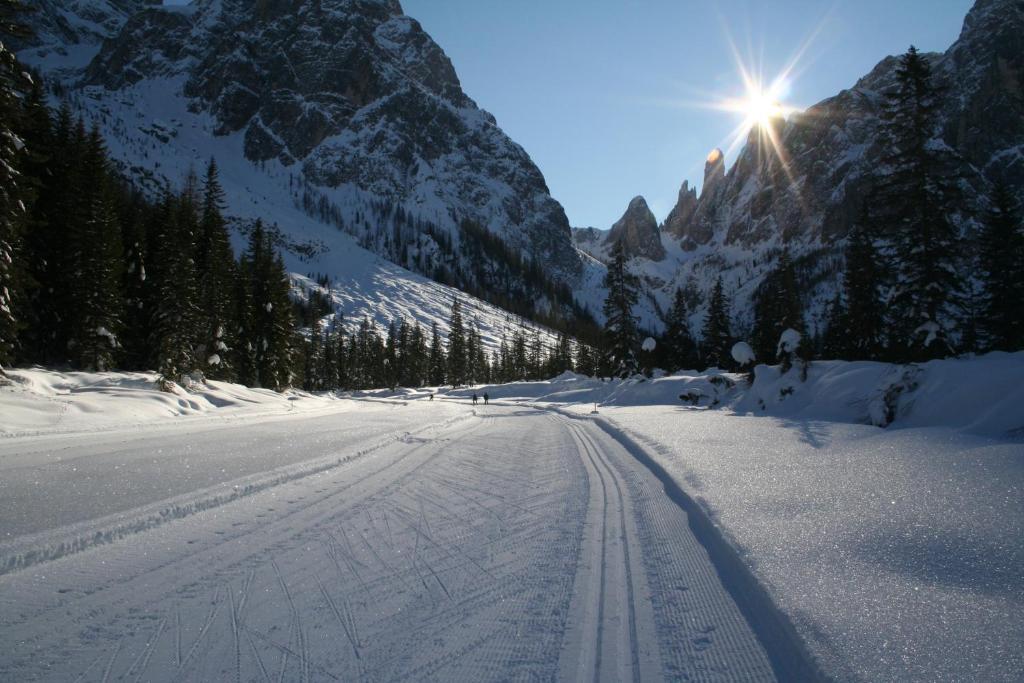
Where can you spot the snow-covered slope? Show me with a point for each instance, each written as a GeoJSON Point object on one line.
{"type": "Point", "coordinates": [362, 282]}
{"type": "Point", "coordinates": [340, 122]}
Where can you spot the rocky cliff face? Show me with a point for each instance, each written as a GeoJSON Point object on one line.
{"type": "Point", "coordinates": [66, 34]}
{"type": "Point", "coordinates": [349, 103]}
{"type": "Point", "coordinates": [813, 192]}
{"type": "Point", "coordinates": [638, 232]}
{"type": "Point", "coordinates": [808, 196]}
{"type": "Point", "coordinates": [679, 220]}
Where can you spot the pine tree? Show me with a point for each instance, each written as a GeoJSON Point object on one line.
{"type": "Point", "coordinates": [34, 160]}
{"type": "Point", "coordinates": [275, 366]}
{"type": "Point", "coordinates": [518, 357]}
{"type": "Point", "coordinates": [313, 360]}
{"type": "Point", "coordinates": [391, 370]}
{"type": "Point", "coordinates": [244, 353]}
{"type": "Point", "coordinates": [215, 262]}
{"type": "Point", "coordinates": [456, 347]}
{"type": "Point", "coordinates": [98, 265]}
{"type": "Point", "coordinates": [857, 324]}
{"type": "Point", "coordinates": [50, 242]}
{"type": "Point", "coordinates": [560, 358]}
{"type": "Point", "coordinates": [473, 369]}
{"type": "Point", "coordinates": [418, 363]}
{"type": "Point", "coordinates": [777, 307]}
{"type": "Point", "coordinates": [915, 203]}
{"type": "Point", "coordinates": [267, 330]}
{"type": "Point", "coordinates": [678, 350]}
{"type": "Point", "coordinates": [620, 330]}
{"type": "Point", "coordinates": [176, 319]}
{"type": "Point", "coordinates": [342, 354]}
{"type": "Point", "coordinates": [136, 334]}
{"type": "Point", "coordinates": [832, 343]}
{"type": "Point", "coordinates": [12, 206]}
{"type": "Point", "coordinates": [717, 335]}
{"type": "Point", "coordinates": [437, 363]}
{"type": "Point", "coordinates": [1001, 262]}
{"type": "Point", "coordinates": [586, 363]}
{"type": "Point", "coordinates": [535, 358]}
{"type": "Point", "coordinates": [330, 362]}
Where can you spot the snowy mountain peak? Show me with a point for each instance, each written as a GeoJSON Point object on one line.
{"type": "Point", "coordinates": [714, 168]}
{"type": "Point", "coordinates": [832, 152]}
{"type": "Point", "coordinates": [324, 115]}
{"type": "Point", "coordinates": [68, 33]}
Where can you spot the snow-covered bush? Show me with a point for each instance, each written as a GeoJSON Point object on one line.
{"type": "Point", "coordinates": [743, 354]}
{"type": "Point", "coordinates": [788, 351]}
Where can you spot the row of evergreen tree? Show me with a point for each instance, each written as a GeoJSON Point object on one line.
{"type": "Point", "coordinates": [916, 285]}
{"type": "Point", "coordinates": [332, 357]}
{"type": "Point", "coordinates": [95, 276]}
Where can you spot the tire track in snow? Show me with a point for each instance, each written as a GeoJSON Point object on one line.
{"type": "Point", "coordinates": [256, 654]}
{"type": "Point", "coordinates": [785, 651]}
{"type": "Point", "coordinates": [235, 635]}
{"type": "Point", "coordinates": [302, 646]}
{"type": "Point", "coordinates": [345, 623]}
{"type": "Point", "coordinates": [204, 630]}
{"type": "Point", "coordinates": [508, 586]}
{"type": "Point", "coordinates": [142, 661]}
{"type": "Point", "coordinates": [625, 540]}
{"type": "Point", "coordinates": [85, 672]}
{"type": "Point", "coordinates": [40, 548]}
{"type": "Point", "coordinates": [110, 662]}
{"type": "Point", "coordinates": [603, 643]}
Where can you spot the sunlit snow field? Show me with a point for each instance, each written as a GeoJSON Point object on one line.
{"type": "Point", "coordinates": [191, 536]}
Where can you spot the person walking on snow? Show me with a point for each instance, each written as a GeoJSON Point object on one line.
{"type": "Point", "coordinates": [486, 399]}
{"type": "Point", "coordinates": [474, 398]}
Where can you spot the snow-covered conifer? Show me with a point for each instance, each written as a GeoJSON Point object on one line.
{"type": "Point", "coordinates": [620, 331]}
{"type": "Point", "coordinates": [718, 337]}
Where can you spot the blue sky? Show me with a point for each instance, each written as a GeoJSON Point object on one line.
{"type": "Point", "coordinates": [594, 89]}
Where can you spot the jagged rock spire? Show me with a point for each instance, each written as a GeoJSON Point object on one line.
{"type": "Point", "coordinates": [638, 232]}
{"type": "Point", "coordinates": [714, 171]}
{"type": "Point", "coordinates": [680, 218]}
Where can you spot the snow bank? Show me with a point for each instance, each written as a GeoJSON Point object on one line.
{"type": "Point", "coordinates": [46, 401]}
{"type": "Point", "coordinates": [981, 395]}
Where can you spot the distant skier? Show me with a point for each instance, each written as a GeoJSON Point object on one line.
{"type": "Point", "coordinates": [486, 399]}
{"type": "Point", "coordinates": [474, 398]}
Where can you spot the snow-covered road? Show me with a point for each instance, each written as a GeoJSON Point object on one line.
{"type": "Point", "coordinates": [422, 541]}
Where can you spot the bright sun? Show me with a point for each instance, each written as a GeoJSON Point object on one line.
{"type": "Point", "coordinates": [762, 106]}
{"type": "Point", "coordinates": [759, 108]}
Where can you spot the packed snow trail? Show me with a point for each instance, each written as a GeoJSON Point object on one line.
{"type": "Point", "coordinates": [495, 544]}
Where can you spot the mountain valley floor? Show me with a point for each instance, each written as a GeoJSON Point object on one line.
{"type": "Point", "coordinates": [387, 536]}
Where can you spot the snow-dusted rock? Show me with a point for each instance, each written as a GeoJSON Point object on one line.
{"type": "Point", "coordinates": [638, 232]}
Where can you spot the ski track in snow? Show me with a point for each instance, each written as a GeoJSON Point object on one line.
{"type": "Point", "coordinates": [510, 544]}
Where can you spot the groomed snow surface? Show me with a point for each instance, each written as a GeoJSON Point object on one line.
{"type": "Point", "coordinates": [692, 528]}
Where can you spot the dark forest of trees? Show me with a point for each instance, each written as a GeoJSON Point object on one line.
{"type": "Point", "coordinates": [332, 357]}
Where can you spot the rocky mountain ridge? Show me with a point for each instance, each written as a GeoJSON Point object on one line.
{"type": "Point", "coordinates": [808, 196]}
{"type": "Point", "coordinates": [345, 110]}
